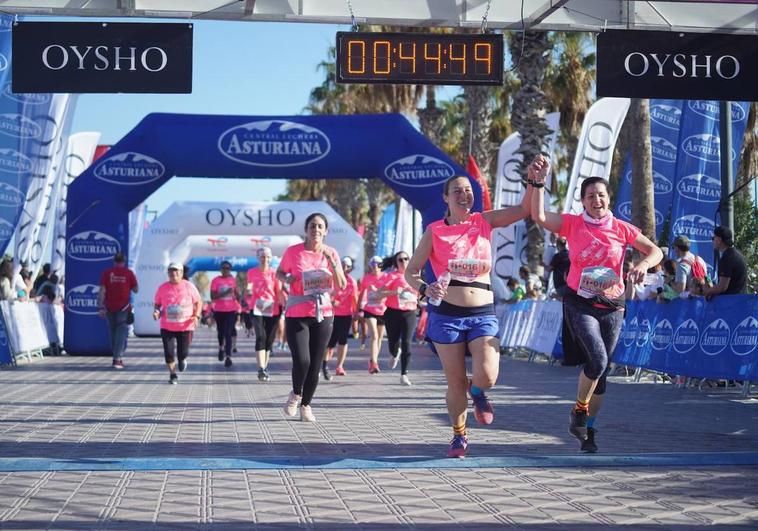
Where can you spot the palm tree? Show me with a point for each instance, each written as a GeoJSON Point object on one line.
{"type": "Point", "coordinates": [643, 211]}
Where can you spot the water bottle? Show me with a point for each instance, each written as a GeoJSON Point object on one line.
{"type": "Point", "coordinates": [443, 282]}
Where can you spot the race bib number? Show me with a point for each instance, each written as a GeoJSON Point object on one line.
{"type": "Point", "coordinates": [467, 269]}
{"type": "Point", "coordinates": [226, 292]}
{"type": "Point", "coordinates": [264, 307]}
{"type": "Point", "coordinates": [175, 313]}
{"type": "Point", "coordinates": [601, 281]}
{"type": "Point", "coordinates": [407, 300]}
{"type": "Point", "coordinates": [374, 298]}
{"type": "Point", "coordinates": [316, 281]}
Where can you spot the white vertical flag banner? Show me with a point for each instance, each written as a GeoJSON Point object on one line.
{"type": "Point", "coordinates": [408, 228]}
{"type": "Point", "coordinates": [34, 206]}
{"type": "Point", "coordinates": [80, 150]}
{"type": "Point", "coordinates": [137, 218]}
{"type": "Point", "coordinates": [594, 153]}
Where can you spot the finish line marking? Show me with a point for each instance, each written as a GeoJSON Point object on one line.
{"type": "Point", "coordinates": [33, 464]}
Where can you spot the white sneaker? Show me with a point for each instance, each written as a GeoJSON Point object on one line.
{"type": "Point", "coordinates": [404, 380]}
{"type": "Point", "coordinates": [290, 408]}
{"type": "Point", "coordinates": [306, 414]}
{"type": "Point", "coordinates": [393, 361]}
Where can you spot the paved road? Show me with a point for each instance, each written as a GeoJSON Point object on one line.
{"type": "Point", "coordinates": [85, 447]}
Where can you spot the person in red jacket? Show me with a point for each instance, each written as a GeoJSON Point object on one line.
{"type": "Point", "coordinates": [116, 285]}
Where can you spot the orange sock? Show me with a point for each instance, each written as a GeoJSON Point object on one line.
{"type": "Point", "coordinates": [582, 406]}
{"type": "Point", "coordinates": [459, 430]}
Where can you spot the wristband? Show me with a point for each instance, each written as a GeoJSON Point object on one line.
{"type": "Point", "coordinates": [536, 184]}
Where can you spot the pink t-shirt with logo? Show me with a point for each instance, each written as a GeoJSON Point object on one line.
{"type": "Point", "coordinates": [371, 300]}
{"type": "Point", "coordinates": [225, 287]}
{"type": "Point", "coordinates": [343, 300]}
{"type": "Point", "coordinates": [177, 302]}
{"type": "Point", "coordinates": [407, 299]}
{"type": "Point", "coordinates": [463, 249]}
{"type": "Point", "coordinates": [312, 275]}
{"type": "Point", "coordinates": [262, 293]}
{"type": "Point", "coordinates": [597, 255]}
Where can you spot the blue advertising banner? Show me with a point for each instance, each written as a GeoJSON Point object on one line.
{"type": "Point", "coordinates": [6, 358]}
{"type": "Point", "coordinates": [698, 175]}
{"type": "Point", "coordinates": [665, 121]}
{"type": "Point", "coordinates": [691, 337]}
{"type": "Point", "coordinates": [386, 233]}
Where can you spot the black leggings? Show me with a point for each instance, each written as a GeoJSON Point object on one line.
{"type": "Point", "coordinates": [225, 322]}
{"type": "Point", "coordinates": [340, 330]}
{"type": "Point", "coordinates": [400, 325]}
{"type": "Point", "coordinates": [265, 331]}
{"type": "Point", "coordinates": [175, 344]}
{"type": "Point", "coordinates": [307, 339]}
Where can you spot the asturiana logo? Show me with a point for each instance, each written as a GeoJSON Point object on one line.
{"type": "Point", "coordinates": [715, 337]}
{"type": "Point", "coordinates": [83, 299]}
{"type": "Point", "coordinates": [629, 332]}
{"type": "Point", "coordinates": [662, 334]}
{"type": "Point", "coordinates": [710, 109]}
{"type": "Point", "coordinates": [686, 336]}
{"type": "Point", "coordinates": [129, 168]}
{"type": "Point", "coordinates": [6, 229]}
{"type": "Point", "coordinates": [700, 187]}
{"type": "Point", "coordinates": [10, 196]}
{"type": "Point", "coordinates": [92, 246]}
{"type": "Point", "coordinates": [625, 210]}
{"type": "Point", "coordinates": [696, 228]}
{"type": "Point", "coordinates": [662, 149]}
{"type": "Point", "coordinates": [418, 170]}
{"type": "Point", "coordinates": [19, 126]}
{"type": "Point", "coordinates": [703, 147]}
{"type": "Point", "coordinates": [11, 161]}
{"type": "Point", "coordinates": [661, 183]}
{"type": "Point", "coordinates": [745, 336]}
{"type": "Point", "coordinates": [643, 332]}
{"type": "Point", "coordinates": [274, 143]}
{"type": "Point", "coordinates": [28, 99]}
{"type": "Point", "coordinates": [668, 116]}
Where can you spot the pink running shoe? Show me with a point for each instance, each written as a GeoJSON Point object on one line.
{"type": "Point", "coordinates": [339, 371]}
{"type": "Point", "coordinates": [483, 412]}
{"type": "Point", "coordinates": [458, 446]}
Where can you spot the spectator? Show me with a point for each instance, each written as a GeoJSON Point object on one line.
{"type": "Point", "coordinates": [48, 290]}
{"type": "Point", "coordinates": [688, 266]}
{"type": "Point", "coordinates": [654, 279]}
{"type": "Point", "coordinates": [531, 280]}
{"type": "Point", "coordinates": [667, 292]}
{"type": "Point", "coordinates": [517, 292]}
{"type": "Point", "coordinates": [6, 280]}
{"type": "Point", "coordinates": [732, 271]}
{"type": "Point", "coordinates": [559, 267]}
{"type": "Point", "coordinates": [43, 277]}
{"type": "Point", "coordinates": [116, 283]}
{"type": "Point", "coordinates": [19, 284]}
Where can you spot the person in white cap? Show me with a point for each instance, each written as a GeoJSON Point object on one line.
{"type": "Point", "coordinates": [178, 305]}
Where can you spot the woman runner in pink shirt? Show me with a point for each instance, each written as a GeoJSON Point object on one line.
{"type": "Point", "coordinates": [345, 308]}
{"type": "Point", "coordinates": [313, 270]}
{"type": "Point", "coordinates": [459, 246]}
{"type": "Point", "coordinates": [225, 302]}
{"type": "Point", "coordinates": [371, 301]}
{"type": "Point", "coordinates": [400, 315]}
{"type": "Point", "coordinates": [594, 305]}
{"type": "Point", "coordinates": [178, 305]}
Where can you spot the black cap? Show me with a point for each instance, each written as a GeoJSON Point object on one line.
{"type": "Point", "coordinates": [119, 258]}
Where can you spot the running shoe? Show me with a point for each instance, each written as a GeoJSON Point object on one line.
{"type": "Point", "coordinates": [290, 408]}
{"type": "Point", "coordinates": [173, 379]}
{"type": "Point", "coordinates": [339, 371]}
{"type": "Point", "coordinates": [220, 354]}
{"type": "Point", "coordinates": [373, 368]}
{"type": "Point", "coordinates": [327, 374]}
{"type": "Point", "coordinates": [458, 446]}
{"type": "Point", "coordinates": [578, 424]}
{"type": "Point", "coordinates": [588, 445]}
{"type": "Point", "coordinates": [363, 346]}
{"type": "Point", "coordinates": [118, 364]}
{"type": "Point", "coordinates": [182, 365]}
{"type": "Point", "coordinates": [404, 380]}
{"type": "Point", "coordinates": [262, 375]}
{"type": "Point", "coordinates": [483, 412]}
{"type": "Point", "coordinates": [393, 361]}
{"type": "Point", "coordinates": [228, 362]}
{"type": "Point", "coordinates": [306, 414]}
{"type": "Point", "coordinates": [234, 350]}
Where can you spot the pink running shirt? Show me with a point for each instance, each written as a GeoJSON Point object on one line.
{"type": "Point", "coordinates": [407, 299]}
{"type": "Point", "coordinates": [262, 293]}
{"type": "Point", "coordinates": [225, 287]}
{"type": "Point", "coordinates": [312, 272]}
{"type": "Point", "coordinates": [371, 301]}
{"type": "Point", "coordinates": [463, 249]}
{"type": "Point", "coordinates": [177, 305]}
{"type": "Point", "coordinates": [597, 255]}
{"type": "Point", "coordinates": [344, 299]}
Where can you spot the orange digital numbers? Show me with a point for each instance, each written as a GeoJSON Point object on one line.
{"type": "Point", "coordinates": [483, 54]}
{"type": "Point", "coordinates": [432, 59]}
{"type": "Point", "coordinates": [457, 53]}
{"type": "Point", "coordinates": [382, 57]}
{"type": "Point", "coordinates": [356, 55]}
{"type": "Point", "coordinates": [409, 66]}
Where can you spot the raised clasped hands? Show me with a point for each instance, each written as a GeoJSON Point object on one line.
{"type": "Point", "coordinates": [538, 169]}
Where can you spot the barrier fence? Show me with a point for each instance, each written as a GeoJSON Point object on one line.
{"type": "Point", "coordinates": [28, 328]}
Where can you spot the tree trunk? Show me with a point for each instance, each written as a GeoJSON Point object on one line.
{"type": "Point", "coordinates": [478, 120]}
{"type": "Point", "coordinates": [643, 211]}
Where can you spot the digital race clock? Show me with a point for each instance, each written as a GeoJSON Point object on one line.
{"type": "Point", "coordinates": [419, 58]}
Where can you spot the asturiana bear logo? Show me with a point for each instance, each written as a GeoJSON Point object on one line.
{"type": "Point", "coordinates": [662, 334]}
{"type": "Point", "coordinates": [696, 228]}
{"type": "Point", "coordinates": [274, 143]}
{"type": "Point", "coordinates": [12, 161]}
{"type": "Point", "coordinates": [10, 196]}
{"type": "Point", "coordinates": [28, 99]}
{"type": "Point", "coordinates": [418, 170]}
{"type": "Point", "coordinates": [715, 337]}
{"type": "Point", "coordinates": [92, 246]}
{"type": "Point", "coordinates": [129, 168]}
{"type": "Point", "coordinates": [668, 116]}
{"type": "Point", "coordinates": [19, 126]}
{"type": "Point", "coordinates": [83, 299]}
{"type": "Point", "coordinates": [661, 183]}
{"type": "Point", "coordinates": [643, 332]}
{"type": "Point", "coordinates": [700, 187]}
{"type": "Point", "coordinates": [686, 336]}
{"type": "Point", "coordinates": [710, 109]}
{"type": "Point", "coordinates": [662, 149]}
{"type": "Point", "coordinates": [745, 336]}
{"type": "Point", "coordinates": [704, 147]}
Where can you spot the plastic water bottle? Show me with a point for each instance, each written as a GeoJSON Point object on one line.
{"type": "Point", "coordinates": [443, 282]}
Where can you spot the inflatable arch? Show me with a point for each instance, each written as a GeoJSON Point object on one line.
{"type": "Point", "coordinates": [162, 146]}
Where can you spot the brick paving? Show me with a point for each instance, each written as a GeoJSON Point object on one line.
{"type": "Point", "coordinates": [78, 410]}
